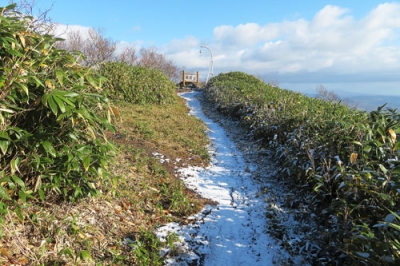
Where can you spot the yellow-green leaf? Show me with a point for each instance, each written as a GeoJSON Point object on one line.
{"type": "Point", "coordinates": [60, 76]}
{"type": "Point", "coordinates": [86, 162]}
{"type": "Point", "coordinates": [14, 166]}
{"type": "Point", "coordinates": [49, 148]}
{"type": "Point", "coordinates": [92, 81]}
{"type": "Point", "coordinates": [4, 145]}
{"type": "Point", "coordinates": [85, 255]}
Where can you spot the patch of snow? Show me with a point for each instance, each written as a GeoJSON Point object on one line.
{"type": "Point", "coordinates": [235, 231]}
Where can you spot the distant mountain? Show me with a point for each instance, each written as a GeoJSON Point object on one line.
{"type": "Point", "coordinates": [372, 102]}
{"type": "Point", "coordinates": [360, 95]}
{"type": "Point", "coordinates": [367, 102]}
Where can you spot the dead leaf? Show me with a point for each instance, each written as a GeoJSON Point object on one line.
{"type": "Point", "coordinates": [353, 157]}
{"type": "Point", "coordinates": [392, 135]}
{"type": "Point", "coordinates": [6, 253]}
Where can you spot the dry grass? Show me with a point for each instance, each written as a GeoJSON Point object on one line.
{"type": "Point", "coordinates": [143, 194]}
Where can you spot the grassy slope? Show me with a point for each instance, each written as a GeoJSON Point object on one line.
{"type": "Point", "coordinates": [143, 194]}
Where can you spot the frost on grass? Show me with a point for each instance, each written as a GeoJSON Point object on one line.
{"type": "Point", "coordinates": [255, 221]}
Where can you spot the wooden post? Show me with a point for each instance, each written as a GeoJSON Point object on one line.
{"type": "Point", "coordinates": [183, 78]}
{"type": "Point", "coordinates": [198, 79]}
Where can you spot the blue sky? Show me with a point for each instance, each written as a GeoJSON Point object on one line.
{"type": "Point", "coordinates": [288, 42]}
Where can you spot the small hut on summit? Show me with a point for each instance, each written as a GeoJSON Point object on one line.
{"type": "Point", "coordinates": [190, 80]}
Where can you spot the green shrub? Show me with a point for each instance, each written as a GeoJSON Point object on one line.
{"type": "Point", "coordinates": [136, 84]}
{"type": "Point", "coordinates": [349, 158]}
{"type": "Point", "coordinates": [51, 130]}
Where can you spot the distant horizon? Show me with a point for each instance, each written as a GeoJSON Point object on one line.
{"type": "Point", "coordinates": [347, 89]}
{"type": "Point", "coordinates": [364, 100]}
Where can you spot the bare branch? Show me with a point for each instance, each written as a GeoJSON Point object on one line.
{"type": "Point", "coordinates": [128, 56]}
{"type": "Point", "coordinates": [149, 57]}
{"type": "Point", "coordinates": [97, 48]}
{"type": "Point", "coordinates": [329, 96]}
{"type": "Point", "coordinates": [41, 21]}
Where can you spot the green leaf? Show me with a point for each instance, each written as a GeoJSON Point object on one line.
{"type": "Point", "coordinates": [52, 104]}
{"type": "Point", "coordinates": [4, 194]}
{"type": "Point", "coordinates": [49, 148]}
{"type": "Point", "coordinates": [14, 52]}
{"type": "Point", "coordinates": [37, 81]}
{"type": "Point", "coordinates": [60, 104]}
{"type": "Point", "coordinates": [395, 170]}
{"type": "Point", "coordinates": [10, 6]}
{"type": "Point", "coordinates": [396, 146]}
{"type": "Point", "coordinates": [22, 196]}
{"type": "Point", "coordinates": [394, 226]}
{"type": "Point", "coordinates": [367, 148]}
{"type": "Point", "coordinates": [71, 94]}
{"type": "Point", "coordinates": [23, 87]}
{"type": "Point", "coordinates": [4, 135]}
{"type": "Point", "coordinates": [35, 161]}
{"type": "Point", "coordinates": [386, 197]}
{"type": "Point", "coordinates": [41, 194]}
{"type": "Point", "coordinates": [357, 143]}
{"type": "Point", "coordinates": [85, 255]}
{"type": "Point", "coordinates": [45, 98]}
{"type": "Point", "coordinates": [72, 136]}
{"type": "Point", "coordinates": [383, 169]}
{"type": "Point", "coordinates": [63, 96]}
{"type": "Point", "coordinates": [381, 132]}
{"type": "Point", "coordinates": [18, 212]}
{"type": "Point", "coordinates": [4, 179]}
{"type": "Point", "coordinates": [25, 194]}
{"type": "Point", "coordinates": [66, 251]}
{"type": "Point", "coordinates": [91, 81]}
{"type": "Point", "coordinates": [18, 181]}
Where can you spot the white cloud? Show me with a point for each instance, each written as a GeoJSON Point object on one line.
{"type": "Point", "coordinates": [182, 45]}
{"type": "Point", "coordinates": [331, 45]}
{"type": "Point", "coordinates": [136, 29]}
{"type": "Point", "coordinates": [245, 34]}
{"type": "Point", "coordinates": [122, 46]}
{"type": "Point", "coordinates": [62, 30]}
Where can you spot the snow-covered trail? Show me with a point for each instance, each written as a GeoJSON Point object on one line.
{"type": "Point", "coordinates": [233, 231]}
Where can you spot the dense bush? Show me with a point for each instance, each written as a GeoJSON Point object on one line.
{"type": "Point", "coordinates": [137, 84]}
{"type": "Point", "coordinates": [348, 158]}
{"type": "Point", "coordinates": [51, 127]}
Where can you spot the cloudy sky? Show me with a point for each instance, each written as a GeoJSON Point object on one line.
{"type": "Point", "coordinates": [339, 44]}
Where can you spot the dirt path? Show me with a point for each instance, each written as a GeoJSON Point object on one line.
{"type": "Point", "coordinates": [235, 231]}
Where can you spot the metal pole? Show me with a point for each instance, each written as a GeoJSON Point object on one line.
{"type": "Point", "coordinates": [210, 67]}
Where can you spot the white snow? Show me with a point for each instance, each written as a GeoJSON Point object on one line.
{"type": "Point", "coordinates": [233, 232]}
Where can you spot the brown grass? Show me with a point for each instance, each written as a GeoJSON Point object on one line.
{"type": "Point", "coordinates": [142, 194]}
